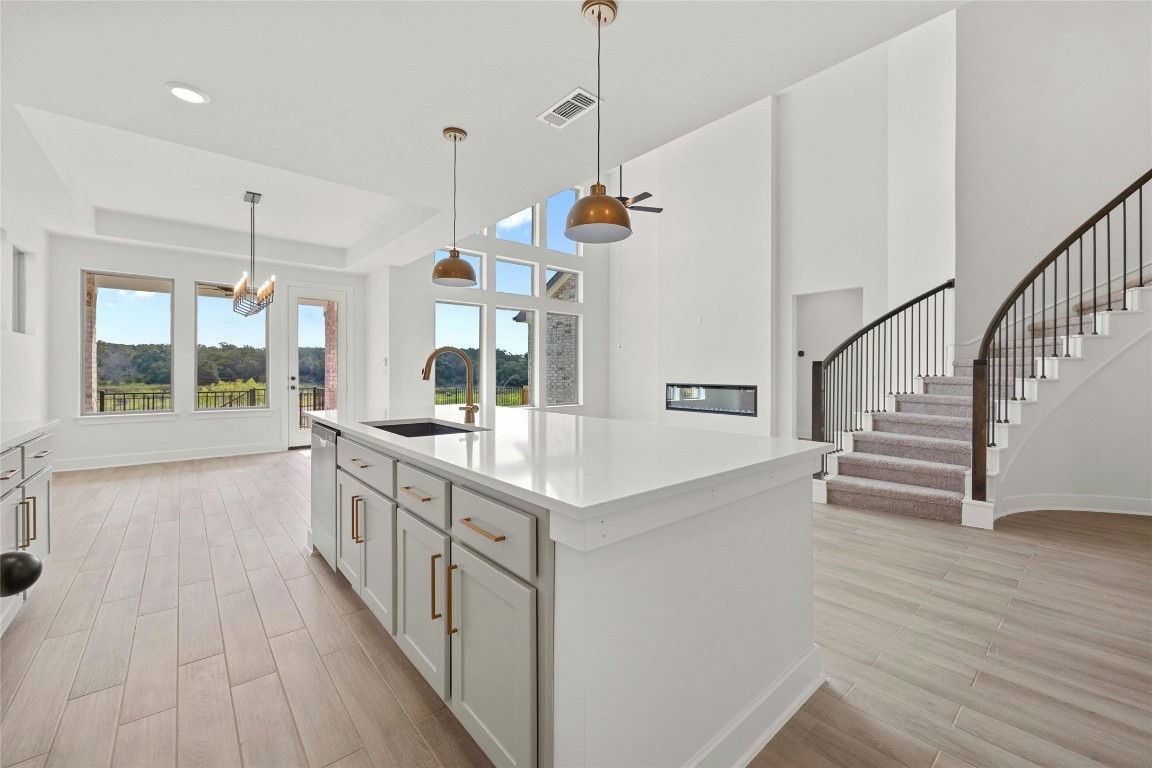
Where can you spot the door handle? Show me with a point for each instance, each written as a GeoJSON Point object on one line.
{"type": "Point", "coordinates": [8, 475]}
{"type": "Point", "coordinates": [451, 629]}
{"type": "Point", "coordinates": [408, 490]}
{"type": "Point", "coordinates": [27, 541]}
{"type": "Point", "coordinates": [435, 615]}
{"type": "Point", "coordinates": [359, 464]}
{"type": "Point", "coordinates": [41, 454]}
{"type": "Point", "coordinates": [292, 387]}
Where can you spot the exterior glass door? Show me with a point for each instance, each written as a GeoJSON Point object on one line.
{"type": "Point", "coordinates": [314, 363]}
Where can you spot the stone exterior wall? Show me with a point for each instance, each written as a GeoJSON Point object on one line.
{"type": "Point", "coordinates": [331, 354]}
{"type": "Point", "coordinates": [89, 365]}
{"type": "Point", "coordinates": [561, 358]}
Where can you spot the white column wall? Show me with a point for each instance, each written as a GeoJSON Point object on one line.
{"type": "Point", "coordinates": [24, 370]}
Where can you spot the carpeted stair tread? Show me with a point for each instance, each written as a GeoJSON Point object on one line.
{"type": "Point", "coordinates": [1060, 325]}
{"type": "Point", "coordinates": [922, 424]}
{"type": "Point", "coordinates": [895, 469]}
{"type": "Point", "coordinates": [1102, 298]}
{"type": "Point", "coordinates": [910, 500]}
{"type": "Point", "coordinates": [939, 449]}
{"type": "Point", "coordinates": [935, 399]}
{"type": "Point", "coordinates": [948, 385]}
{"type": "Point", "coordinates": [940, 405]}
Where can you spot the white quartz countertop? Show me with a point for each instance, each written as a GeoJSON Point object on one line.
{"type": "Point", "coordinates": [579, 466]}
{"type": "Point", "coordinates": [16, 432]}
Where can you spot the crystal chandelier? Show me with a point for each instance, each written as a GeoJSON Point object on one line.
{"type": "Point", "coordinates": [248, 300]}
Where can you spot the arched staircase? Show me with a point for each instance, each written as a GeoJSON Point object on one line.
{"type": "Point", "coordinates": [918, 434]}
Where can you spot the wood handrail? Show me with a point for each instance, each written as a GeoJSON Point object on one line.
{"type": "Point", "coordinates": [951, 283]}
{"type": "Point", "coordinates": [1065, 244]}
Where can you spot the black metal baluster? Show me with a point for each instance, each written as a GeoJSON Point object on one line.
{"type": "Point", "coordinates": [1044, 324]}
{"type": "Point", "coordinates": [1012, 360]}
{"type": "Point", "coordinates": [1081, 294]}
{"type": "Point", "coordinates": [943, 330]}
{"type": "Point", "coordinates": [1108, 232]}
{"type": "Point", "coordinates": [1068, 302]}
{"type": "Point", "coordinates": [1140, 228]}
{"type": "Point", "coordinates": [1095, 281]}
{"type": "Point", "coordinates": [1124, 252]}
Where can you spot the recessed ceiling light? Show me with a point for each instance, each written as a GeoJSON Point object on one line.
{"type": "Point", "coordinates": [189, 93]}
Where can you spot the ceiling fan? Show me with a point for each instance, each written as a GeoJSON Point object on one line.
{"type": "Point", "coordinates": [630, 202]}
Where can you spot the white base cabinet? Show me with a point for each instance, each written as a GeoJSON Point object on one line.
{"type": "Point", "coordinates": [421, 596]}
{"type": "Point", "coordinates": [493, 631]}
{"type": "Point", "coordinates": [365, 532]}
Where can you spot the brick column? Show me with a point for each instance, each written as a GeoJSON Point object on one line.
{"type": "Point", "coordinates": [331, 354]}
{"type": "Point", "coordinates": [90, 374]}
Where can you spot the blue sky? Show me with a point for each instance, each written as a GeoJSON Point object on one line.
{"type": "Point", "coordinates": [458, 325]}
{"type": "Point", "coordinates": [511, 336]}
{"type": "Point", "coordinates": [144, 317]}
{"type": "Point", "coordinates": [517, 227]}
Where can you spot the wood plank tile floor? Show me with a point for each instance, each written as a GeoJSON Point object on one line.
{"type": "Point", "coordinates": [179, 622]}
{"type": "Point", "coordinates": [1030, 645]}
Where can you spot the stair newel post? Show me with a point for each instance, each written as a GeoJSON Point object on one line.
{"type": "Point", "coordinates": [979, 430]}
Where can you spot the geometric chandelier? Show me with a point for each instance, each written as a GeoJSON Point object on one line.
{"type": "Point", "coordinates": [246, 299]}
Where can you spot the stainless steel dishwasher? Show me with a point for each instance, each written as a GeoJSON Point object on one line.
{"type": "Point", "coordinates": [324, 492]}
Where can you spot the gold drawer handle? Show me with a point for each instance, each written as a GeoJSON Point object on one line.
{"type": "Point", "coordinates": [451, 629]}
{"type": "Point", "coordinates": [8, 475]}
{"type": "Point", "coordinates": [408, 490]}
{"type": "Point", "coordinates": [435, 557]}
{"type": "Point", "coordinates": [41, 454]}
{"type": "Point", "coordinates": [359, 464]}
{"type": "Point", "coordinates": [467, 523]}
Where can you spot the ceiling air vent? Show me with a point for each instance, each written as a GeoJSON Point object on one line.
{"type": "Point", "coordinates": [571, 107]}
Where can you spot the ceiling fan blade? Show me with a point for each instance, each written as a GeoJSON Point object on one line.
{"type": "Point", "coordinates": [638, 198]}
{"type": "Point", "coordinates": [622, 199]}
{"type": "Point", "coordinates": [644, 208]}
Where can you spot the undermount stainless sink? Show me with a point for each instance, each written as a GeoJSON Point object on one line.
{"type": "Point", "coordinates": [420, 428]}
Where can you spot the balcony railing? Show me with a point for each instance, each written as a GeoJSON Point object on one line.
{"type": "Point", "coordinates": [505, 396]}
{"type": "Point", "coordinates": [311, 399]}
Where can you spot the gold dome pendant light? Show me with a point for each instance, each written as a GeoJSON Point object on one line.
{"type": "Point", "coordinates": [454, 271]}
{"type": "Point", "coordinates": [597, 217]}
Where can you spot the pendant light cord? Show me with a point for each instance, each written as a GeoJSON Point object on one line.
{"type": "Point", "coordinates": [599, 95]}
{"type": "Point", "coordinates": [252, 245]}
{"type": "Point", "coordinates": [455, 142]}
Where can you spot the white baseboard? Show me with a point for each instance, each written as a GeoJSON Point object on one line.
{"type": "Point", "coordinates": [819, 491]}
{"type": "Point", "coordinates": [1039, 502]}
{"type": "Point", "coordinates": [158, 457]}
{"type": "Point", "coordinates": [743, 738]}
{"type": "Point", "coordinates": [978, 514]}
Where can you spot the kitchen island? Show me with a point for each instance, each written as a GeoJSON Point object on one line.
{"type": "Point", "coordinates": [584, 591]}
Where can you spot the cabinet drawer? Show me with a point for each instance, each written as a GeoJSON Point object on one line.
{"type": "Point", "coordinates": [37, 455]}
{"type": "Point", "coordinates": [424, 494]}
{"type": "Point", "coordinates": [10, 474]}
{"type": "Point", "coordinates": [477, 521]}
{"type": "Point", "coordinates": [371, 467]}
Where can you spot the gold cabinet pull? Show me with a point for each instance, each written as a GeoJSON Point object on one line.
{"type": "Point", "coordinates": [27, 541]}
{"type": "Point", "coordinates": [9, 474]}
{"type": "Point", "coordinates": [41, 454]}
{"type": "Point", "coordinates": [435, 615]}
{"type": "Point", "coordinates": [359, 464]}
{"type": "Point", "coordinates": [408, 490]}
{"type": "Point", "coordinates": [355, 522]}
{"type": "Point", "coordinates": [451, 629]}
{"type": "Point", "coordinates": [35, 516]}
{"type": "Point", "coordinates": [467, 523]}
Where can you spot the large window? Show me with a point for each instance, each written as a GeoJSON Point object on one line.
{"type": "Point", "coordinates": [127, 343]}
{"type": "Point", "coordinates": [514, 277]}
{"type": "Point", "coordinates": [556, 219]}
{"type": "Point", "coordinates": [514, 356]}
{"type": "Point", "coordinates": [563, 359]}
{"type": "Point", "coordinates": [231, 352]}
{"type": "Point", "coordinates": [517, 227]}
{"type": "Point", "coordinates": [562, 285]}
{"type": "Point", "coordinates": [457, 325]}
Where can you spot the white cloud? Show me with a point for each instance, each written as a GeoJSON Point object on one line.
{"type": "Point", "coordinates": [517, 219]}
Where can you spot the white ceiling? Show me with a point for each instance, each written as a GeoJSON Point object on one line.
{"type": "Point", "coordinates": [333, 110]}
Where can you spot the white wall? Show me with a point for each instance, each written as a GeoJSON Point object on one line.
{"type": "Point", "coordinates": [865, 184]}
{"type": "Point", "coordinates": [1094, 450]}
{"type": "Point", "coordinates": [1054, 118]}
{"type": "Point", "coordinates": [692, 288]}
{"type": "Point", "coordinates": [23, 356]}
{"type": "Point", "coordinates": [408, 334]}
{"type": "Point", "coordinates": [111, 440]}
